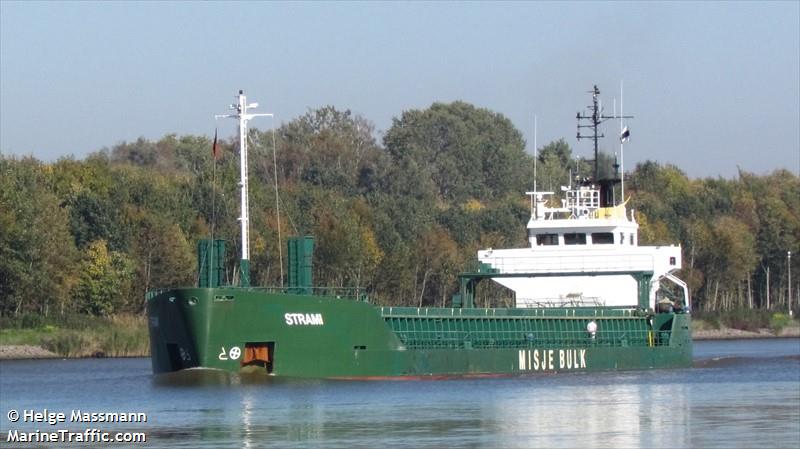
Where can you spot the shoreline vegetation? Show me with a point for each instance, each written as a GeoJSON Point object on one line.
{"type": "Point", "coordinates": [126, 336]}
{"type": "Point", "coordinates": [398, 216]}
{"type": "Point", "coordinates": [82, 241]}
{"type": "Point", "coordinates": [76, 336]}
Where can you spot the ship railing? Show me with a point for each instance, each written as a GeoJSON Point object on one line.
{"type": "Point", "coordinates": [354, 293]}
{"type": "Point", "coordinates": [578, 301]}
{"type": "Point", "coordinates": [583, 198]}
{"type": "Point", "coordinates": [553, 339]}
{"type": "Point", "coordinates": [154, 292]}
{"type": "Point", "coordinates": [571, 263]}
{"type": "Point", "coordinates": [503, 313]}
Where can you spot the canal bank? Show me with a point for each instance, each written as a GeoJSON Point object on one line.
{"type": "Point", "coordinates": [31, 351]}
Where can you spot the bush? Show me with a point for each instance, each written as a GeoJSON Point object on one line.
{"type": "Point", "coordinates": [745, 319]}
{"type": "Point", "coordinates": [78, 321]}
{"type": "Point", "coordinates": [125, 337]}
{"type": "Point", "coordinates": [778, 322]}
{"type": "Point", "coordinates": [75, 335]}
{"type": "Point", "coordinates": [66, 343]}
{"type": "Point", "coordinates": [708, 318]}
{"type": "Point", "coordinates": [31, 321]}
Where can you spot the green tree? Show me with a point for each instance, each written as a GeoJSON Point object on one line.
{"type": "Point", "coordinates": [163, 257]}
{"type": "Point", "coordinates": [437, 263]}
{"type": "Point", "coordinates": [105, 280]}
{"type": "Point", "coordinates": [554, 165]}
{"type": "Point", "coordinates": [325, 147]}
{"type": "Point", "coordinates": [36, 250]}
{"type": "Point", "coordinates": [465, 152]}
{"type": "Point", "coordinates": [348, 250]}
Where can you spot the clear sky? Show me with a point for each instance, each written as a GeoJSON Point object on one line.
{"type": "Point", "coordinates": [713, 86]}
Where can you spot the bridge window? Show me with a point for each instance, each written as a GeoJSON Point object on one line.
{"type": "Point", "coordinates": [546, 239]}
{"type": "Point", "coordinates": [575, 239]}
{"type": "Point", "coordinates": [602, 238]}
{"type": "Point", "coordinates": [621, 238]}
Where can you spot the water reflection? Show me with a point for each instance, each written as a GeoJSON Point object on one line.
{"type": "Point", "coordinates": [616, 410]}
{"type": "Point", "coordinates": [193, 378]}
{"type": "Point", "coordinates": [722, 404]}
{"type": "Point", "coordinates": [247, 418]}
{"type": "Point", "coordinates": [599, 415]}
{"type": "Point", "coordinates": [738, 400]}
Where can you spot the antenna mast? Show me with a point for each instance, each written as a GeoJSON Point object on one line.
{"type": "Point", "coordinates": [595, 118]}
{"type": "Point", "coordinates": [621, 147]}
{"type": "Point", "coordinates": [243, 116]}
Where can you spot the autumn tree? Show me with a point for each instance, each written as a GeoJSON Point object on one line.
{"type": "Point", "coordinates": [105, 280]}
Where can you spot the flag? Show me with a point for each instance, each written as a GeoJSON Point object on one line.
{"type": "Point", "coordinates": [626, 135]}
{"type": "Point", "coordinates": [215, 150]}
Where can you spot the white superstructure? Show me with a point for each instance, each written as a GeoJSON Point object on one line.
{"type": "Point", "coordinates": [579, 236]}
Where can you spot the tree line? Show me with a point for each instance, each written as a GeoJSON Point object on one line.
{"type": "Point", "coordinates": [399, 217]}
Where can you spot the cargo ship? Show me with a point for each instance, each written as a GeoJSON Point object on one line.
{"type": "Point", "coordinates": [587, 296]}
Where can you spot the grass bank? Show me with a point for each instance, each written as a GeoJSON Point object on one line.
{"type": "Point", "coordinates": [126, 335]}
{"type": "Point", "coordinates": [741, 323]}
{"type": "Point", "coordinates": [749, 320]}
{"type": "Point", "coordinates": [79, 335]}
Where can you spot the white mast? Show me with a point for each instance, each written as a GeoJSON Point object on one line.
{"type": "Point", "coordinates": [243, 116]}
{"type": "Point", "coordinates": [535, 151]}
{"type": "Point", "coordinates": [621, 148]}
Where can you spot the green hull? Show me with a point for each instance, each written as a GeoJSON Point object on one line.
{"type": "Point", "coordinates": [327, 337]}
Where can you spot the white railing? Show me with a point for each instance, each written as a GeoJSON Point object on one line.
{"type": "Point", "coordinates": [577, 263]}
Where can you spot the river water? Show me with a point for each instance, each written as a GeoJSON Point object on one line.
{"type": "Point", "coordinates": [740, 394]}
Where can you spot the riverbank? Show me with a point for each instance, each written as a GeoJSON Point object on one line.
{"type": "Point", "coordinates": [11, 352]}
{"type": "Point", "coordinates": [80, 337]}
{"type": "Point", "coordinates": [732, 334]}
{"type": "Point", "coordinates": [31, 351]}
